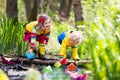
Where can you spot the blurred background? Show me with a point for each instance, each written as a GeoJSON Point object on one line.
{"type": "Point", "coordinates": [98, 20]}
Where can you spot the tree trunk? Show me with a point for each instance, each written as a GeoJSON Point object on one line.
{"type": "Point", "coordinates": [28, 6]}
{"type": "Point", "coordinates": [33, 13]}
{"type": "Point", "coordinates": [39, 6]}
{"type": "Point", "coordinates": [12, 10]}
{"type": "Point", "coordinates": [64, 11]}
{"type": "Point", "coordinates": [54, 6]}
{"type": "Point", "coordinates": [78, 11]}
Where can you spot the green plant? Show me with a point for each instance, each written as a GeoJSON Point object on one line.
{"type": "Point", "coordinates": [104, 41]}
{"type": "Point", "coordinates": [11, 36]}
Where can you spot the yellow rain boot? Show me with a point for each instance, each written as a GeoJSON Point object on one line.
{"type": "Point", "coordinates": [63, 52]}
{"type": "Point", "coordinates": [42, 51]}
{"type": "Point", "coordinates": [74, 54]}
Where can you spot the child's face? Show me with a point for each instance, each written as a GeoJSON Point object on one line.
{"type": "Point", "coordinates": [73, 42]}
{"type": "Point", "coordinates": [47, 24]}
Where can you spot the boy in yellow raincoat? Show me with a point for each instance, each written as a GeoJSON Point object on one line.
{"type": "Point", "coordinates": [69, 39]}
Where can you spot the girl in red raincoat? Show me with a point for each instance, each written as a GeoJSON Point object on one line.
{"type": "Point", "coordinates": [37, 31]}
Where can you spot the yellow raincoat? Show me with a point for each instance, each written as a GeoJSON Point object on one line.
{"type": "Point", "coordinates": [65, 44]}
{"type": "Point", "coordinates": [31, 25]}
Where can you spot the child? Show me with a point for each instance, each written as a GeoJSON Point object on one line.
{"type": "Point", "coordinates": [69, 39]}
{"type": "Point", "coordinates": [38, 31]}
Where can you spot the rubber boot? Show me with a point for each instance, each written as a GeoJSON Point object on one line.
{"type": "Point", "coordinates": [74, 54]}
{"type": "Point", "coordinates": [42, 51]}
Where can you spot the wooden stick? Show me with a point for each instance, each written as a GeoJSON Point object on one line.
{"type": "Point", "coordinates": [47, 61]}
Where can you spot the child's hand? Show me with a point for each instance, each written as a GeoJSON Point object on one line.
{"type": "Point", "coordinates": [62, 55]}
{"type": "Point", "coordinates": [45, 42]}
{"type": "Point", "coordinates": [30, 51]}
